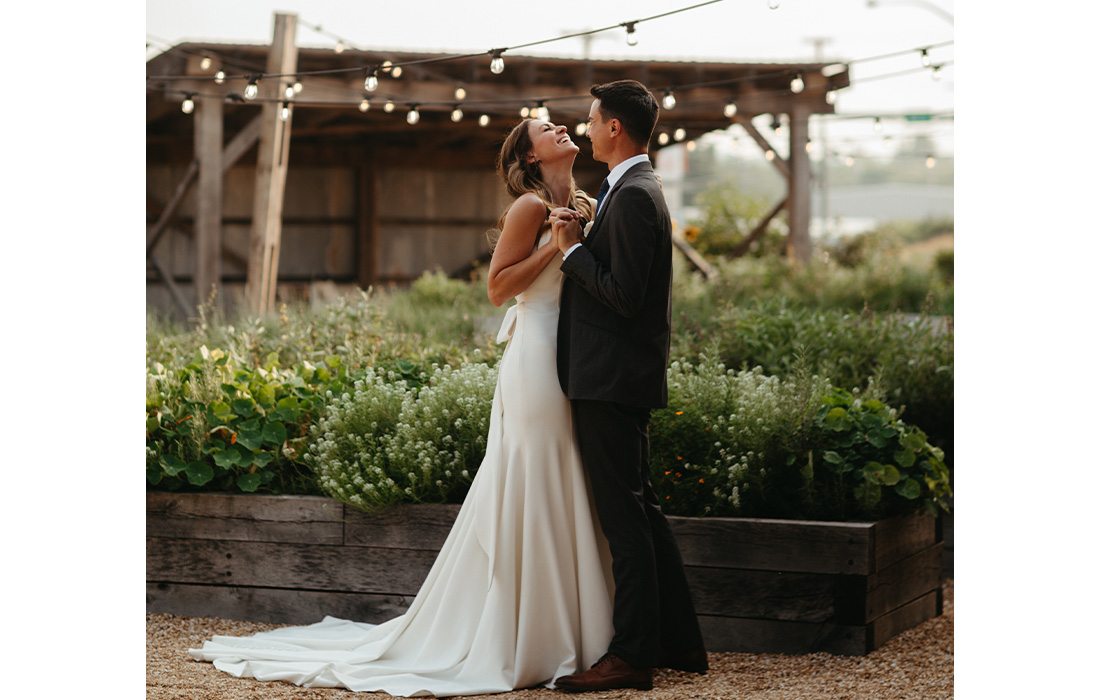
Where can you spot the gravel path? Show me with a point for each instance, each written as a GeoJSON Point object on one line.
{"type": "Point", "coordinates": [918, 664]}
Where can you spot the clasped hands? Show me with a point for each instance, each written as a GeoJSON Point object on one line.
{"type": "Point", "coordinates": [565, 224]}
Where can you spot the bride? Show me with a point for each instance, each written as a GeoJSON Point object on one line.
{"type": "Point", "coordinates": [521, 591]}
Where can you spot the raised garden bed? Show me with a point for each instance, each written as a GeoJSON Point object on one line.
{"type": "Point", "coordinates": [759, 585]}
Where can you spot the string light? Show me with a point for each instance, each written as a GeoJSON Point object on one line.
{"type": "Point", "coordinates": [188, 104]}
{"type": "Point", "coordinates": [542, 111]}
{"type": "Point", "coordinates": [524, 111]}
{"type": "Point", "coordinates": [669, 100]}
{"type": "Point", "coordinates": [769, 154]}
{"type": "Point", "coordinates": [631, 37]}
{"type": "Point", "coordinates": [297, 85]}
{"type": "Point", "coordinates": [388, 67]}
{"type": "Point", "coordinates": [364, 105]}
{"type": "Point", "coordinates": [582, 129]}
{"type": "Point", "coordinates": [388, 107]}
{"type": "Point", "coordinates": [936, 71]}
{"type": "Point", "coordinates": [396, 72]}
{"type": "Point", "coordinates": [370, 84]}
{"type": "Point", "coordinates": [730, 110]}
{"type": "Point", "coordinates": [413, 116]}
{"type": "Point", "coordinates": [460, 93]}
{"type": "Point", "coordinates": [285, 114]}
{"type": "Point", "coordinates": [809, 146]}
{"type": "Point", "coordinates": [289, 92]}
{"type": "Point", "coordinates": [456, 114]}
{"type": "Point", "coordinates": [205, 63]}
{"type": "Point", "coordinates": [219, 77]}
{"type": "Point", "coordinates": [496, 66]}
{"type": "Point", "coordinates": [925, 59]}
{"type": "Point", "coordinates": [662, 138]}
{"type": "Point", "coordinates": [483, 120]}
{"type": "Point", "coordinates": [930, 161]}
{"type": "Point", "coordinates": [830, 97]}
{"type": "Point", "coordinates": [339, 48]}
{"type": "Point", "coordinates": [773, 4]}
{"type": "Point", "coordinates": [252, 89]}
{"type": "Point", "coordinates": [797, 85]}
{"type": "Point", "coordinates": [690, 145]}
{"type": "Point", "coordinates": [776, 124]}
{"type": "Point", "coordinates": [679, 134]}
{"type": "Point", "coordinates": [849, 161]}
{"type": "Point", "coordinates": [878, 125]}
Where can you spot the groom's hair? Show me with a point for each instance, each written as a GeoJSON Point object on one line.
{"type": "Point", "coordinates": [632, 104]}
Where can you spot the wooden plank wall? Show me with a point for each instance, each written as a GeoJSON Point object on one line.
{"type": "Point", "coordinates": [758, 585]}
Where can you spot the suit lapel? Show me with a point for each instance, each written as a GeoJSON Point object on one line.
{"type": "Point", "coordinates": [632, 172]}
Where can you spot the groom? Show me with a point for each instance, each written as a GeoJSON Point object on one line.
{"type": "Point", "coordinates": [613, 343]}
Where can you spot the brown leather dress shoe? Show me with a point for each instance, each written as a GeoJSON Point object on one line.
{"type": "Point", "coordinates": [607, 673]}
{"type": "Point", "coordinates": [694, 661]}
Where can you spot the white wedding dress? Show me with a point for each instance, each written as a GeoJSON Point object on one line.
{"type": "Point", "coordinates": [521, 592]}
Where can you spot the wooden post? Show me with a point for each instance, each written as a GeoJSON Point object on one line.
{"type": "Point", "coordinates": [367, 236]}
{"type": "Point", "coordinates": [271, 164]}
{"type": "Point", "coordinates": [208, 214]}
{"type": "Point", "coordinates": [798, 199]}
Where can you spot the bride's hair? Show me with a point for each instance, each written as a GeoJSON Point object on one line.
{"type": "Point", "coordinates": [521, 177]}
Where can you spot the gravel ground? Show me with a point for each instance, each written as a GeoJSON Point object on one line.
{"type": "Point", "coordinates": [918, 664]}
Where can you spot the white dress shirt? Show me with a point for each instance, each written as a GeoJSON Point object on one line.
{"type": "Point", "coordinates": [613, 178]}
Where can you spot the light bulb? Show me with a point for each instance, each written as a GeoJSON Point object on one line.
{"type": "Point", "coordinates": [582, 129]}
{"type": "Point", "coordinates": [456, 115]}
{"type": "Point", "coordinates": [285, 114]}
{"type": "Point", "coordinates": [413, 116]}
{"type": "Point", "coordinates": [396, 72]}
{"type": "Point", "coordinates": [188, 104]}
{"type": "Point", "coordinates": [339, 48]}
{"type": "Point", "coordinates": [830, 97]}
{"type": "Point", "coordinates": [297, 86]}
{"type": "Point", "coordinates": [387, 66]}
{"type": "Point", "coordinates": [542, 112]}
{"type": "Point", "coordinates": [496, 66]}
{"type": "Point", "coordinates": [809, 146]}
{"type": "Point", "coordinates": [364, 105]}
{"type": "Point", "coordinates": [769, 154]}
{"type": "Point", "coordinates": [388, 107]}
{"type": "Point", "coordinates": [371, 83]}
{"type": "Point", "coordinates": [930, 162]}
{"type": "Point", "coordinates": [631, 37]}
{"type": "Point", "coordinates": [773, 4]}
{"type": "Point", "coordinates": [662, 138]}
{"type": "Point", "coordinates": [690, 145]}
{"type": "Point", "coordinates": [483, 120]}
{"type": "Point", "coordinates": [925, 59]}
{"type": "Point", "coordinates": [460, 93]}
{"type": "Point", "coordinates": [936, 72]}
{"type": "Point", "coordinates": [679, 134]}
{"type": "Point", "coordinates": [730, 110]}
{"type": "Point", "coordinates": [289, 92]}
{"type": "Point", "coordinates": [669, 101]}
{"type": "Point", "coordinates": [878, 125]}
{"type": "Point", "coordinates": [797, 85]}
{"type": "Point", "coordinates": [849, 161]}
{"type": "Point", "coordinates": [205, 63]}
{"type": "Point", "coordinates": [219, 77]}
{"type": "Point", "coordinates": [251, 90]}
{"type": "Point", "coordinates": [524, 111]}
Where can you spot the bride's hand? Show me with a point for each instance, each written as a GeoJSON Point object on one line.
{"type": "Point", "coordinates": [562, 214]}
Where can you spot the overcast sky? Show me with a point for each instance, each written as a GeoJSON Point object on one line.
{"type": "Point", "coordinates": [729, 30]}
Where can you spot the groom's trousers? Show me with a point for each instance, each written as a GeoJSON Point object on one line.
{"type": "Point", "coordinates": [653, 611]}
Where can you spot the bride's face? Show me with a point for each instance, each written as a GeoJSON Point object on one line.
{"type": "Point", "coordinates": [549, 142]}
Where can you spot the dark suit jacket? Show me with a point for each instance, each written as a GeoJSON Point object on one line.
{"type": "Point", "coordinates": [613, 331]}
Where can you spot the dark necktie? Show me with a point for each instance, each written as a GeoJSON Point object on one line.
{"type": "Point", "coordinates": [601, 194]}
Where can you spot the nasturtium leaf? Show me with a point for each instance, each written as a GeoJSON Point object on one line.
{"type": "Point", "coordinates": [274, 433]}
{"type": "Point", "coordinates": [198, 473]}
{"type": "Point", "coordinates": [905, 457]}
{"type": "Point", "coordinates": [890, 475]}
{"type": "Point", "coordinates": [908, 489]}
{"type": "Point", "coordinates": [248, 482]}
{"type": "Point", "coordinates": [172, 465]}
{"type": "Point", "coordinates": [832, 457]}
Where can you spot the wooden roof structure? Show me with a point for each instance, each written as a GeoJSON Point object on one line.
{"type": "Point", "coordinates": [328, 127]}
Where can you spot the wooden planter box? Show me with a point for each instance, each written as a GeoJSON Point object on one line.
{"type": "Point", "coordinates": [759, 585]}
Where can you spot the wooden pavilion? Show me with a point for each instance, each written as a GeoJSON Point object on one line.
{"type": "Point", "coordinates": [241, 199]}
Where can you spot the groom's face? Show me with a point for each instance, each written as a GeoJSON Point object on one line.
{"type": "Point", "coordinates": [598, 132]}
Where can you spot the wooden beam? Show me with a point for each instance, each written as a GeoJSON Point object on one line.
{"type": "Point", "coordinates": [779, 163]}
{"type": "Point", "coordinates": [271, 165]}
{"type": "Point", "coordinates": [236, 148]}
{"type": "Point", "coordinates": [208, 203]}
{"type": "Point", "coordinates": [697, 261]}
{"type": "Point", "coordinates": [798, 242]}
{"type": "Point", "coordinates": [761, 227]}
{"type": "Point", "coordinates": [174, 290]}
